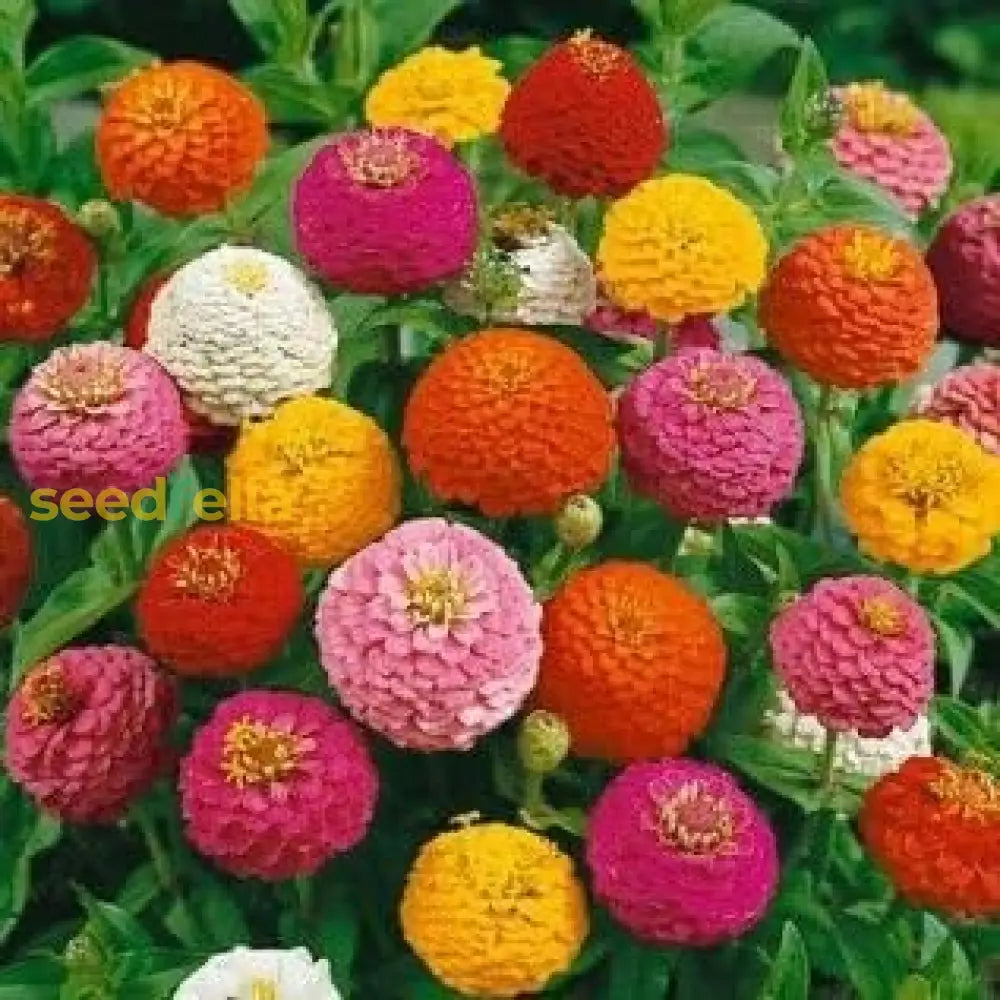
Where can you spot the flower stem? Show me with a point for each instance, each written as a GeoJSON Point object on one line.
{"type": "Point", "coordinates": [825, 510]}
{"type": "Point", "coordinates": [157, 852]}
{"type": "Point", "coordinates": [661, 346]}
{"type": "Point", "coordinates": [828, 762]}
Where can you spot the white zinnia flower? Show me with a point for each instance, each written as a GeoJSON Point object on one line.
{"type": "Point", "coordinates": [250, 974]}
{"type": "Point", "coordinates": [240, 330]}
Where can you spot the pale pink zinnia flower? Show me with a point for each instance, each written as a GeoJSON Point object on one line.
{"type": "Point", "coordinates": [968, 398]}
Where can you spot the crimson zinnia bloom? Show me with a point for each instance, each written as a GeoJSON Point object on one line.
{"type": "Point", "coordinates": [15, 559]}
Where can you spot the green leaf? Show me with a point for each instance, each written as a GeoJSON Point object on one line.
{"type": "Point", "coordinates": [957, 648]}
{"type": "Point", "coordinates": [876, 955]}
{"type": "Point", "coordinates": [914, 988]}
{"type": "Point", "coordinates": [338, 926]}
{"type": "Point", "coordinates": [638, 971]}
{"type": "Point", "coordinates": [219, 913]}
{"type": "Point", "coordinates": [279, 27]}
{"type": "Point", "coordinates": [77, 65]}
{"type": "Point", "coordinates": [273, 182]}
{"type": "Point", "coordinates": [809, 84]}
{"type": "Point", "coordinates": [738, 572]}
{"type": "Point", "coordinates": [405, 27]}
{"type": "Point", "coordinates": [516, 52]}
{"type": "Point", "coordinates": [753, 183]}
{"type": "Point", "coordinates": [789, 977]}
{"type": "Point", "coordinates": [291, 98]}
{"type": "Point", "coordinates": [117, 929]}
{"type": "Point", "coordinates": [16, 19]}
{"type": "Point", "coordinates": [34, 979]}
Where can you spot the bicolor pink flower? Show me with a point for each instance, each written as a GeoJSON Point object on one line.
{"type": "Point", "coordinates": [711, 436]}
{"type": "Point", "coordinates": [430, 636]}
{"type": "Point", "coordinates": [97, 416]}
{"type": "Point", "coordinates": [275, 784]}
{"type": "Point", "coordinates": [87, 731]}
{"type": "Point", "coordinates": [385, 211]}
{"type": "Point", "coordinates": [680, 855]}
{"type": "Point", "coordinates": [965, 261]}
{"type": "Point", "coordinates": [968, 398]}
{"type": "Point", "coordinates": [858, 653]}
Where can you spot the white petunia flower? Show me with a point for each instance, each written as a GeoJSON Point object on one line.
{"type": "Point", "coordinates": [250, 974]}
{"type": "Point", "coordinates": [240, 330]}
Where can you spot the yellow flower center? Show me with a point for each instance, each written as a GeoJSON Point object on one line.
{"type": "Point", "coordinates": [595, 56]}
{"type": "Point", "coordinates": [305, 448]}
{"type": "Point", "coordinates": [263, 989]}
{"type": "Point", "coordinates": [881, 616]}
{"type": "Point", "coordinates": [626, 619]}
{"type": "Point", "coordinates": [871, 257]}
{"type": "Point", "coordinates": [80, 379]}
{"type": "Point", "coordinates": [721, 385]}
{"type": "Point", "coordinates": [45, 695]}
{"type": "Point", "coordinates": [208, 572]}
{"type": "Point", "coordinates": [247, 276]}
{"type": "Point", "coordinates": [380, 160]}
{"type": "Point", "coordinates": [254, 753]}
{"type": "Point", "coordinates": [166, 108]}
{"type": "Point", "coordinates": [24, 237]}
{"type": "Point", "coordinates": [872, 107]}
{"type": "Point", "coordinates": [925, 480]}
{"type": "Point", "coordinates": [516, 224]}
{"type": "Point", "coordinates": [436, 597]}
{"type": "Point", "coordinates": [694, 821]}
{"type": "Point", "coordinates": [975, 794]}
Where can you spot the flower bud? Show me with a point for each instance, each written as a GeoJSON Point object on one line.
{"type": "Point", "coordinates": [579, 522]}
{"type": "Point", "coordinates": [543, 742]}
{"type": "Point", "coordinates": [84, 953]}
{"type": "Point", "coordinates": [824, 113]}
{"type": "Point", "coordinates": [98, 219]}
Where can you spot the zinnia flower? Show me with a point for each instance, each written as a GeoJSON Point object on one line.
{"type": "Point", "coordinates": [430, 636]}
{"type": "Point", "coordinates": [219, 601]}
{"type": "Point", "coordinates": [681, 245]}
{"type": "Point", "coordinates": [680, 855]}
{"type": "Point", "coordinates": [454, 96]}
{"type": "Point", "coordinates": [241, 330]}
{"type": "Point", "coordinates": [87, 731]}
{"type": "Point", "coordinates": [935, 828]}
{"type": "Point", "coordinates": [965, 259]}
{"type": "Point", "coordinates": [923, 495]}
{"type": "Point", "coordinates": [258, 974]}
{"type": "Point", "coordinates": [852, 307]}
{"type": "Point", "coordinates": [275, 784]}
{"type": "Point", "coordinates": [494, 910]}
{"type": "Point", "coordinates": [637, 326]}
{"type": "Point", "coordinates": [94, 417]}
{"type": "Point", "coordinates": [385, 212]}
{"type": "Point", "coordinates": [16, 559]}
{"type": "Point", "coordinates": [509, 421]}
{"type": "Point", "coordinates": [632, 660]}
{"type": "Point", "coordinates": [47, 265]}
{"type": "Point", "coordinates": [886, 139]}
{"type": "Point", "coordinates": [318, 478]}
{"type": "Point", "coordinates": [711, 436]}
{"type": "Point", "coordinates": [858, 653]}
{"type": "Point", "coordinates": [181, 137]}
{"type": "Point", "coordinates": [968, 398]}
{"type": "Point", "coordinates": [534, 273]}
{"type": "Point", "coordinates": [584, 120]}
{"type": "Point", "coordinates": [865, 756]}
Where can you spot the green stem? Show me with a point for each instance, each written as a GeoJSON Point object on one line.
{"type": "Point", "coordinates": [672, 60]}
{"type": "Point", "coordinates": [157, 852]}
{"type": "Point", "coordinates": [828, 764]}
{"type": "Point", "coordinates": [661, 346]}
{"type": "Point", "coordinates": [826, 513]}
{"type": "Point", "coordinates": [393, 345]}
{"type": "Point", "coordinates": [304, 894]}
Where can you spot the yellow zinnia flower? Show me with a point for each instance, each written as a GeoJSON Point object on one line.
{"type": "Point", "coordinates": [456, 96]}
{"type": "Point", "coordinates": [494, 910]}
{"type": "Point", "coordinates": [680, 245]}
{"type": "Point", "coordinates": [923, 495]}
{"type": "Point", "coordinates": [319, 478]}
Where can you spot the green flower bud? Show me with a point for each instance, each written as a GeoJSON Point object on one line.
{"type": "Point", "coordinates": [824, 114]}
{"type": "Point", "coordinates": [83, 953]}
{"type": "Point", "coordinates": [579, 522]}
{"type": "Point", "coordinates": [543, 742]}
{"type": "Point", "coordinates": [98, 219]}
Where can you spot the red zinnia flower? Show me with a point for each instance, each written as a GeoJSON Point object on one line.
{"type": "Point", "coordinates": [15, 559]}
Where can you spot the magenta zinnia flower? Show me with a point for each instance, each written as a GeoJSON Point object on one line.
{"type": "Point", "coordinates": [968, 398]}
{"type": "Point", "coordinates": [385, 211]}
{"type": "Point", "coordinates": [631, 326]}
{"type": "Point", "coordinates": [710, 435]}
{"type": "Point", "coordinates": [886, 139]}
{"type": "Point", "coordinates": [87, 730]}
{"type": "Point", "coordinates": [430, 636]}
{"type": "Point", "coordinates": [97, 416]}
{"type": "Point", "coordinates": [965, 261]}
{"type": "Point", "coordinates": [680, 855]}
{"type": "Point", "coordinates": [858, 653]}
{"type": "Point", "coordinates": [275, 784]}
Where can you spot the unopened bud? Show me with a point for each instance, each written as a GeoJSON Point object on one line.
{"type": "Point", "coordinates": [579, 522]}
{"type": "Point", "coordinates": [84, 953]}
{"type": "Point", "coordinates": [824, 114]}
{"type": "Point", "coordinates": [98, 218]}
{"type": "Point", "coordinates": [543, 742]}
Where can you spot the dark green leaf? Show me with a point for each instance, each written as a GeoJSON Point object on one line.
{"type": "Point", "coordinates": [789, 978]}
{"type": "Point", "coordinates": [292, 99]}
{"type": "Point", "coordinates": [279, 27]}
{"type": "Point", "coordinates": [407, 26]}
{"type": "Point", "coordinates": [875, 954]}
{"type": "Point", "coordinates": [34, 979]}
{"type": "Point", "coordinates": [638, 971]}
{"type": "Point", "coordinates": [957, 648]}
{"type": "Point", "coordinates": [808, 85]}
{"type": "Point", "coordinates": [219, 913]}
{"type": "Point", "coordinates": [16, 19]}
{"type": "Point", "coordinates": [77, 65]}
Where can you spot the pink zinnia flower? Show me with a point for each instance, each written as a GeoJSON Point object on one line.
{"type": "Point", "coordinates": [430, 636]}
{"type": "Point", "coordinates": [385, 211]}
{"type": "Point", "coordinates": [968, 398]}
{"type": "Point", "coordinates": [711, 436]}
{"type": "Point", "coordinates": [858, 653]}
{"type": "Point", "coordinates": [965, 261]}
{"type": "Point", "coordinates": [87, 731]}
{"type": "Point", "coordinates": [680, 855]}
{"type": "Point", "coordinates": [275, 784]}
{"type": "Point", "coordinates": [630, 326]}
{"type": "Point", "coordinates": [885, 138]}
{"type": "Point", "coordinates": [97, 416]}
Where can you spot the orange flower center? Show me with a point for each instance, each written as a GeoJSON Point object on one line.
{"type": "Point", "coordinates": [626, 619]}
{"type": "Point", "coordinates": [517, 224]}
{"type": "Point", "coordinates": [721, 385]}
{"type": "Point", "coordinates": [380, 160]}
{"type": "Point", "coordinates": [436, 597]}
{"type": "Point", "coordinates": [166, 108]}
{"type": "Point", "coordinates": [247, 276]}
{"type": "Point", "coordinates": [81, 379]}
{"type": "Point", "coordinates": [692, 820]}
{"type": "Point", "coordinates": [45, 695]}
{"type": "Point", "coordinates": [881, 616]}
{"type": "Point", "coordinates": [872, 107]}
{"type": "Point", "coordinates": [254, 753]}
{"type": "Point", "coordinates": [926, 481]}
{"type": "Point", "coordinates": [975, 794]}
{"type": "Point", "coordinates": [24, 238]}
{"type": "Point", "coordinates": [208, 572]}
{"type": "Point", "coordinates": [595, 56]}
{"type": "Point", "coordinates": [871, 257]}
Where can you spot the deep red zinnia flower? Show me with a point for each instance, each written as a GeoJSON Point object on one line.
{"type": "Point", "coordinates": [219, 601]}
{"type": "Point", "coordinates": [585, 120]}
{"type": "Point", "coordinates": [15, 559]}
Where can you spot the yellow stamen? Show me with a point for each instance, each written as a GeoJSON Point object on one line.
{"type": "Point", "coordinates": [926, 481]}
{"type": "Point", "coordinates": [975, 794]}
{"type": "Point", "coordinates": [594, 55]}
{"type": "Point", "coordinates": [45, 695]}
{"type": "Point", "coordinates": [436, 597]}
{"type": "Point", "coordinates": [721, 385]}
{"type": "Point", "coordinates": [516, 224]}
{"type": "Point", "coordinates": [82, 378]}
{"type": "Point", "coordinates": [380, 160]}
{"type": "Point", "coordinates": [694, 821]}
{"type": "Point", "coordinates": [872, 107]}
{"type": "Point", "coordinates": [881, 616]}
{"type": "Point", "coordinates": [872, 257]}
{"type": "Point", "coordinates": [247, 276]}
{"type": "Point", "coordinates": [24, 237]}
{"type": "Point", "coordinates": [208, 572]}
{"type": "Point", "coordinates": [263, 989]}
{"type": "Point", "coordinates": [254, 753]}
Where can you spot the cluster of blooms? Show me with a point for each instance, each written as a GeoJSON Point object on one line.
{"type": "Point", "coordinates": [429, 633]}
